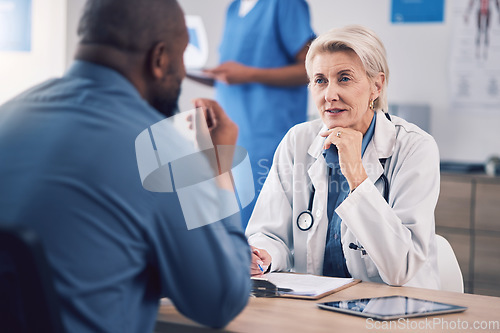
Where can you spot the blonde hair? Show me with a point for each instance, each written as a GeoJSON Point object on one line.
{"type": "Point", "coordinates": [365, 43]}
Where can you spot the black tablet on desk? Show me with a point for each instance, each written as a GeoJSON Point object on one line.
{"type": "Point", "coordinates": [391, 307]}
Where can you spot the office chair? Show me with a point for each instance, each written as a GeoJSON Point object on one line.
{"type": "Point", "coordinates": [28, 302]}
{"type": "Point", "coordinates": [449, 270]}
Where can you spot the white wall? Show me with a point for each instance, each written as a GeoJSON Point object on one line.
{"type": "Point", "coordinates": [20, 70]}
{"type": "Point", "coordinates": [73, 13]}
{"type": "Point", "coordinates": [418, 58]}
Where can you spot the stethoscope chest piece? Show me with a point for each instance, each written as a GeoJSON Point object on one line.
{"type": "Point", "coordinates": [305, 220]}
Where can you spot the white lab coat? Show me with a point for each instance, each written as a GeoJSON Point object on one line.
{"type": "Point", "coordinates": [399, 236]}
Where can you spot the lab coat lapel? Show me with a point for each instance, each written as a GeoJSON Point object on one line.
{"type": "Point", "coordinates": [384, 137]}
{"type": "Point", "coordinates": [380, 147]}
{"type": "Point", "coordinates": [318, 174]}
{"type": "Point", "coordinates": [316, 237]}
{"type": "Point", "coordinates": [371, 163]}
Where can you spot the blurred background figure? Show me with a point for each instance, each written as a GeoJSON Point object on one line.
{"type": "Point", "coordinates": [261, 80]}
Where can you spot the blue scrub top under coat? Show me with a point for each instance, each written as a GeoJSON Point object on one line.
{"type": "Point", "coordinates": [269, 36]}
{"type": "Point", "coordinates": [334, 261]}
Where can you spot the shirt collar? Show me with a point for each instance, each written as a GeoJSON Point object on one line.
{"type": "Point", "coordinates": [102, 74]}
{"type": "Point", "coordinates": [369, 134]}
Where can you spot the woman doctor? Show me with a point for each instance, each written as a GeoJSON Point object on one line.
{"type": "Point", "coordinates": [352, 193]}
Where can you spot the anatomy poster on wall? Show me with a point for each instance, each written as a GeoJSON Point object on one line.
{"type": "Point", "coordinates": [475, 56]}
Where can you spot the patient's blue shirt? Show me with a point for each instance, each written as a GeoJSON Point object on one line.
{"type": "Point", "coordinates": [68, 170]}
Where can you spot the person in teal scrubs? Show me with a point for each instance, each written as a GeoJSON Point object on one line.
{"type": "Point", "coordinates": [261, 81]}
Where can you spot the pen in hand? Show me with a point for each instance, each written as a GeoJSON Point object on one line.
{"type": "Point", "coordinates": [258, 262]}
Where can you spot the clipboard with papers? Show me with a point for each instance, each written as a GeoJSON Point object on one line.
{"type": "Point", "coordinates": [296, 285]}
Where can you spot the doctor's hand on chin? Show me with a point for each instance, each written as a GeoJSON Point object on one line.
{"type": "Point", "coordinates": [348, 142]}
{"type": "Point", "coordinates": [261, 261]}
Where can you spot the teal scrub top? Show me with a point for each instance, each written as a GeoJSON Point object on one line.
{"type": "Point", "coordinates": [269, 36]}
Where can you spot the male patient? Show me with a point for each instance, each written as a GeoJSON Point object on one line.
{"type": "Point", "coordinates": [68, 170]}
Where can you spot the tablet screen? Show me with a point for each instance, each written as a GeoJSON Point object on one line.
{"type": "Point", "coordinates": [391, 307]}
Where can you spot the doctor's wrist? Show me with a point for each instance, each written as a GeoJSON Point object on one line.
{"type": "Point", "coordinates": [355, 184]}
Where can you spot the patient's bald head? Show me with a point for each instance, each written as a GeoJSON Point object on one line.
{"type": "Point", "coordinates": [130, 25]}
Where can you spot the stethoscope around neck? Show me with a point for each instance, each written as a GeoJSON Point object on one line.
{"type": "Point", "coordinates": [305, 220]}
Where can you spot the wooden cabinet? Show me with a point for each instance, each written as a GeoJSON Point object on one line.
{"type": "Point", "coordinates": [468, 216]}
{"type": "Point", "coordinates": [454, 204]}
{"type": "Point", "coordinates": [487, 212]}
{"type": "Point", "coordinates": [487, 265]}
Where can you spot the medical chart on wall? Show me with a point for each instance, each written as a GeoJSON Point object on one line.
{"type": "Point", "coordinates": [475, 56]}
{"type": "Point", "coordinates": [417, 11]}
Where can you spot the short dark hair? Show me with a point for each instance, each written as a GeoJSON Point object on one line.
{"type": "Point", "coordinates": [129, 25]}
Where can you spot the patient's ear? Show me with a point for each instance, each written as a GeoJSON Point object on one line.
{"type": "Point", "coordinates": [158, 61]}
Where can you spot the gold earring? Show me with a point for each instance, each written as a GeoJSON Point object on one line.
{"type": "Point", "coordinates": [371, 105]}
